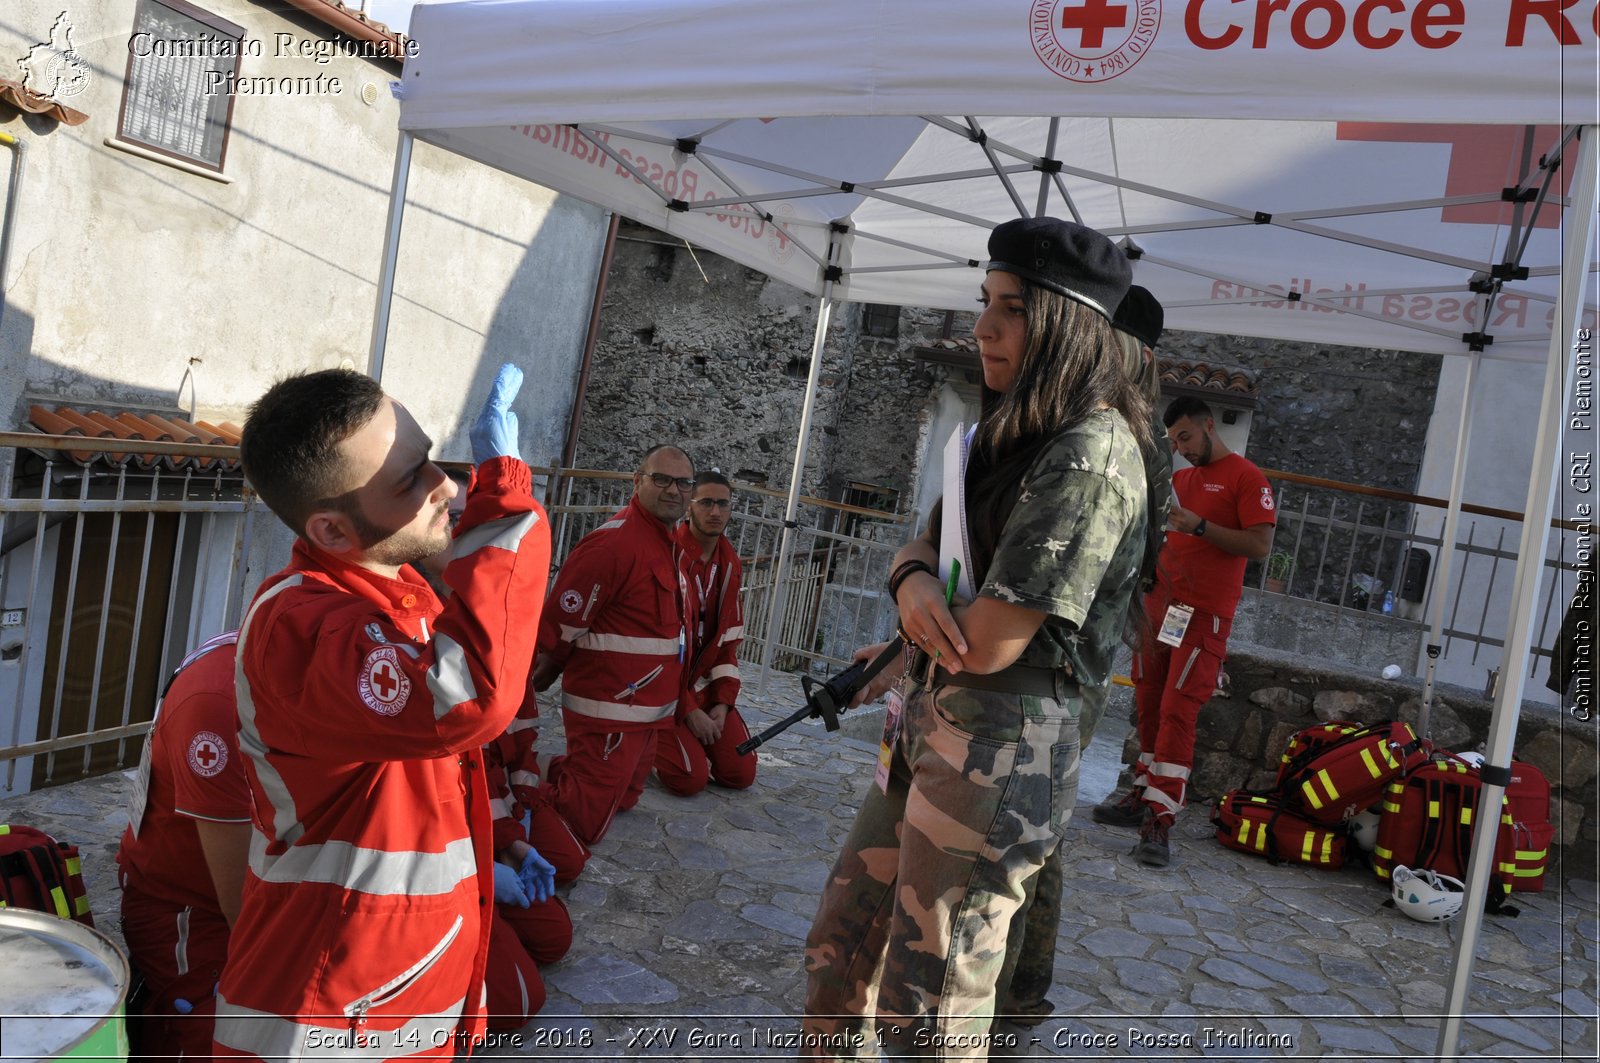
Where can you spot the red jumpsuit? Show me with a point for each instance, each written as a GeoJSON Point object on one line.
{"type": "Point", "coordinates": [683, 763]}
{"type": "Point", "coordinates": [1172, 683]}
{"type": "Point", "coordinates": [363, 708]}
{"type": "Point", "coordinates": [176, 933]}
{"type": "Point", "coordinates": [614, 626]}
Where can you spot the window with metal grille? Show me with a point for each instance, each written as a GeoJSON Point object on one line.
{"type": "Point", "coordinates": [880, 320]}
{"type": "Point", "coordinates": [180, 63]}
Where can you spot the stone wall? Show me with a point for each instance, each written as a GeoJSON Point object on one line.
{"type": "Point", "coordinates": [1238, 739]}
{"type": "Point", "coordinates": [708, 354]}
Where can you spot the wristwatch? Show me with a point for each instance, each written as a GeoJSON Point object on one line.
{"type": "Point", "coordinates": [1199, 529]}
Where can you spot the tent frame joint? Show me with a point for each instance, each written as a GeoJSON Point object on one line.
{"type": "Point", "coordinates": [1263, 218]}
{"type": "Point", "coordinates": [1477, 341]}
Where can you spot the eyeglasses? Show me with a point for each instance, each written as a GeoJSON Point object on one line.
{"type": "Point", "coordinates": [714, 503]}
{"type": "Point", "coordinates": [663, 481]}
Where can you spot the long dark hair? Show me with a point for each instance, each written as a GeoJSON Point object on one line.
{"type": "Point", "coordinates": [1071, 367]}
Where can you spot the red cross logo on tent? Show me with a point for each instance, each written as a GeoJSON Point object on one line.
{"type": "Point", "coordinates": [383, 686]}
{"type": "Point", "coordinates": [208, 754]}
{"type": "Point", "coordinates": [1092, 40]}
{"type": "Point", "coordinates": [1092, 19]}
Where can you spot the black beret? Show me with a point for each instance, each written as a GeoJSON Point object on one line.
{"type": "Point", "coordinates": [1139, 315]}
{"type": "Point", "coordinates": [1065, 257]}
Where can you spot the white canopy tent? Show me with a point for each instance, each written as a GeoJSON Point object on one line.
{"type": "Point", "coordinates": [1389, 173]}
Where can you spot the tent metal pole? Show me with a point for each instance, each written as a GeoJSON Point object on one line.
{"type": "Point", "coordinates": [779, 596]}
{"type": "Point", "coordinates": [1579, 239]}
{"type": "Point", "coordinates": [391, 256]}
{"type": "Point", "coordinates": [1447, 547]}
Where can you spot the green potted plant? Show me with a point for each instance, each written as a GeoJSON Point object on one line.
{"type": "Point", "coordinates": [1279, 563]}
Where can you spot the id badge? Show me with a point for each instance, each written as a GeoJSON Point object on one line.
{"type": "Point", "coordinates": [891, 736]}
{"type": "Point", "coordinates": [141, 786]}
{"type": "Point", "coordinates": [1175, 623]}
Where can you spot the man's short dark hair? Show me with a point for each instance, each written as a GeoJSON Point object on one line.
{"type": "Point", "coordinates": [1186, 406]}
{"type": "Point", "coordinates": [290, 444]}
{"type": "Point", "coordinates": [712, 476]}
{"type": "Point", "coordinates": [644, 461]}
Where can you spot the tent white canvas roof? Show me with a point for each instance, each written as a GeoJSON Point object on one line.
{"type": "Point", "coordinates": [1386, 173]}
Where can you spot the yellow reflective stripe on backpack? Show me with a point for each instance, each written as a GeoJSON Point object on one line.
{"type": "Point", "coordinates": [59, 895]}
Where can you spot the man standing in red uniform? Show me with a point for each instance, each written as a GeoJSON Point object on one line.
{"type": "Point", "coordinates": [703, 745]}
{"type": "Point", "coordinates": [613, 629]}
{"type": "Point", "coordinates": [363, 706]}
{"type": "Point", "coordinates": [1224, 510]}
{"type": "Point", "coordinates": [191, 810]}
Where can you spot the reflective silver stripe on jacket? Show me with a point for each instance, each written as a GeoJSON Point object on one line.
{"type": "Point", "coordinates": [612, 710]}
{"type": "Point", "coordinates": [268, 1036]}
{"type": "Point", "coordinates": [635, 644]}
{"type": "Point", "coordinates": [725, 671]}
{"type": "Point", "coordinates": [449, 679]}
{"type": "Point", "coordinates": [502, 533]}
{"type": "Point", "coordinates": [286, 825]}
{"type": "Point", "coordinates": [372, 871]}
{"type": "Point", "coordinates": [733, 634]}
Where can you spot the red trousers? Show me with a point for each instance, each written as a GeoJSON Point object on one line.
{"type": "Point", "coordinates": [684, 765]}
{"type": "Point", "coordinates": [179, 953]}
{"type": "Point", "coordinates": [549, 833]}
{"type": "Point", "coordinates": [601, 773]}
{"type": "Point", "coordinates": [1171, 683]}
{"type": "Point", "coordinates": [519, 941]}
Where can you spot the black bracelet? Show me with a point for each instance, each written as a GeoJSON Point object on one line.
{"type": "Point", "coordinates": [901, 574]}
{"type": "Point", "coordinates": [1199, 529]}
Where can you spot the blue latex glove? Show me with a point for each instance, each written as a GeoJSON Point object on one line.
{"type": "Point", "coordinates": [537, 876]}
{"type": "Point", "coordinates": [508, 886]}
{"type": "Point", "coordinates": [494, 433]}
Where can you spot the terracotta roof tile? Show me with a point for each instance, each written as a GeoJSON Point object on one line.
{"type": "Point", "coordinates": [126, 425]}
{"type": "Point", "coordinates": [22, 99]}
{"type": "Point", "coordinates": [1235, 382]}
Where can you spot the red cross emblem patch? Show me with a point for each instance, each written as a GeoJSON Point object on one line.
{"type": "Point", "coordinates": [208, 754]}
{"type": "Point", "coordinates": [382, 684]}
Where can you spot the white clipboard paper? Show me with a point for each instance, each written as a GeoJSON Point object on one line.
{"type": "Point", "coordinates": [953, 542]}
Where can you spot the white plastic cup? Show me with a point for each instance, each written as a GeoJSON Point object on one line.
{"type": "Point", "coordinates": [1391, 672]}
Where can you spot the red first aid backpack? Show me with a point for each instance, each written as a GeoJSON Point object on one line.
{"type": "Point", "coordinates": [38, 872]}
{"type": "Point", "coordinates": [1427, 821]}
{"type": "Point", "coordinates": [1332, 772]}
{"type": "Point", "coordinates": [1528, 801]}
{"type": "Point", "coordinates": [1261, 824]}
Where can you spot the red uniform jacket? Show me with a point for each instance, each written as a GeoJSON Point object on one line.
{"type": "Point", "coordinates": [716, 620]}
{"type": "Point", "coordinates": [363, 708]}
{"type": "Point", "coordinates": [614, 623]}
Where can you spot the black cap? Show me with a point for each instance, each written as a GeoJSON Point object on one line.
{"type": "Point", "coordinates": [1065, 257]}
{"type": "Point", "coordinates": [1139, 315]}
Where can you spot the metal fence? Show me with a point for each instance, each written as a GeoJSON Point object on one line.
{"type": "Point", "coordinates": [1347, 549]}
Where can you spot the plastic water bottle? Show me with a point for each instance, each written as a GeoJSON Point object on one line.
{"type": "Point", "coordinates": [1388, 603]}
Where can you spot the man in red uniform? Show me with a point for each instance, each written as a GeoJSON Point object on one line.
{"type": "Point", "coordinates": [1224, 510]}
{"type": "Point", "coordinates": [191, 809]}
{"type": "Point", "coordinates": [704, 743]}
{"type": "Point", "coordinates": [363, 706]}
{"type": "Point", "coordinates": [613, 629]}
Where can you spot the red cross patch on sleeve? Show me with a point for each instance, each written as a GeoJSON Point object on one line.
{"type": "Point", "coordinates": [382, 684]}
{"type": "Point", "coordinates": [208, 754]}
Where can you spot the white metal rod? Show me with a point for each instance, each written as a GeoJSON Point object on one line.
{"type": "Point", "coordinates": [391, 256]}
{"type": "Point", "coordinates": [1579, 238]}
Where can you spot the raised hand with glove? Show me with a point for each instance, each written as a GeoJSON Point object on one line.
{"type": "Point", "coordinates": [538, 876]}
{"type": "Point", "coordinates": [494, 433]}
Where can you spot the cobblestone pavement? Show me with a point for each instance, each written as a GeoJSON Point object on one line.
{"type": "Point", "coordinates": [691, 915]}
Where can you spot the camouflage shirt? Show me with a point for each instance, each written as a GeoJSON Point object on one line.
{"type": "Point", "coordinates": [1072, 546]}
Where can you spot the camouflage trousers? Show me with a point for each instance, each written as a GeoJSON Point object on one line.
{"type": "Point", "coordinates": [910, 936]}
{"type": "Point", "coordinates": [1030, 967]}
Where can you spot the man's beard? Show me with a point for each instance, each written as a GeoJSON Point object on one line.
{"type": "Point", "coordinates": [388, 546]}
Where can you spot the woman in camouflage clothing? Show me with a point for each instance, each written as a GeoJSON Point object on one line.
{"type": "Point", "coordinates": [981, 736]}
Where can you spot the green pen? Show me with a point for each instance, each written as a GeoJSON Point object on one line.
{"type": "Point", "coordinates": [950, 594]}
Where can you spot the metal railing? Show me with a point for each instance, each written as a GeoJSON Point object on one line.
{"type": "Point", "coordinates": [1341, 548]}
{"type": "Point", "coordinates": [115, 560]}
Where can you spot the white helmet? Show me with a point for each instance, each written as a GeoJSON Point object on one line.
{"type": "Point", "coordinates": [1427, 896]}
{"type": "Point", "coordinates": [1364, 829]}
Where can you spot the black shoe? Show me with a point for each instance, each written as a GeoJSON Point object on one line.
{"type": "Point", "coordinates": [1153, 850]}
{"type": "Point", "coordinates": [1126, 811]}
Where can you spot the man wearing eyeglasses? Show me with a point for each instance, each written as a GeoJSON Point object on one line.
{"type": "Point", "coordinates": [613, 628]}
{"type": "Point", "coordinates": [703, 746]}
